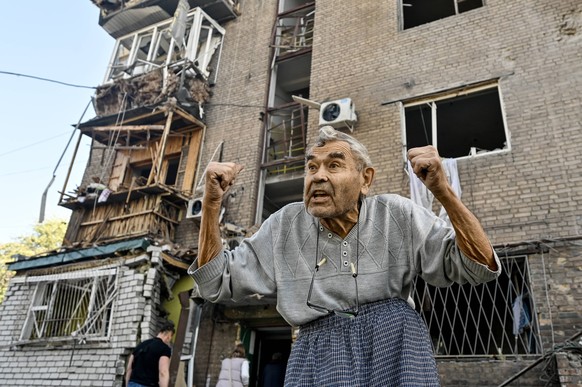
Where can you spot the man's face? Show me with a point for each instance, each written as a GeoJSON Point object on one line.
{"type": "Point", "coordinates": [167, 337]}
{"type": "Point", "coordinates": [332, 182]}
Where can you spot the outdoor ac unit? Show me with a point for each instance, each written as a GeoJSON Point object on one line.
{"type": "Point", "coordinates": [338, 114]}
{"type": "Point", "coordinates": [194, 208]}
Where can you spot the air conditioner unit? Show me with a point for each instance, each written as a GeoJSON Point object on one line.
{"type": "Point", "coordinates": [194, 208]}
{"type": "Point", "coordinates": [338, 114]}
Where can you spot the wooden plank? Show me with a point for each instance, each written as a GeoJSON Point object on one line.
{"type": "Point", "coordinates": [118, 171]}
{"type": "Point", "coordinates": [126, 128]}
{"type": "Point", "coordinates": [135, 214]}
{"type": "Point", "coordinates": [192, 161]}
{"type": "Point", "coordinates": [162, 150]}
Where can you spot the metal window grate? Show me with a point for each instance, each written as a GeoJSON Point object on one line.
{"type": "Point", "coordinates": [495, 318]}
{"type": "Point", "coordinates": [71, 307]}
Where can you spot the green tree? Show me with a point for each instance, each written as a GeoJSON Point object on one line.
{"type": "Point", "coordinates": [46, 236]}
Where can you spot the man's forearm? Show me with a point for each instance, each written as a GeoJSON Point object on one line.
{"type": "Point", "coordinates": [209, 240]}
{"type": "Point", "coordinates": [164, 379]}
{"type": "Point", "coordinates": [128, 369]}
{"type": "Point", "coordinates": [219, 177]}
{"type": "Point", "coordinates": [470, 235]}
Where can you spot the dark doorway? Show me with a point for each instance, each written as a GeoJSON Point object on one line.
{"type": "Point", "coordinates": [270, 341]}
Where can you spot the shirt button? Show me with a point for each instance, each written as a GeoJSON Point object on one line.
{"type": "Point", "coordinates": [344, 253]}
{"type": "Point", "coordinates": [345, 243]}
{"type": "Point", "coordinates": [320, 228]}
{"type": "Point", "coordinates": [346, 263]}
{"type": "Point", "coordinates": [329, 235]}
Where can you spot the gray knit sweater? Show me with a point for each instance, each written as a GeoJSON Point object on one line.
{"type": "Point", "coordinates": [397, 240]}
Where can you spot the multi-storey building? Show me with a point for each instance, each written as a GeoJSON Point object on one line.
{"type": "Point", "coordinates": [495, 85]}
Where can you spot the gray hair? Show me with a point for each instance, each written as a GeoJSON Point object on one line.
{"type": "Point", "coordinates": [328, 133]}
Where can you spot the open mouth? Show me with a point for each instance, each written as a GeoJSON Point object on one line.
{"type": "Point", "coordinates": [319, 195]}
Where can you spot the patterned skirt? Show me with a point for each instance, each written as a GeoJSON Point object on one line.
{"type": "Point", "coordinates": [387, 344]}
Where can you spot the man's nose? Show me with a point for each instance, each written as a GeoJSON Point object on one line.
{"type": "Point", "coordinates": [321, 175]}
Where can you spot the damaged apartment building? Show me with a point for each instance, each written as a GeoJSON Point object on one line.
{"type": "Point", "coordinates": [495, 85]}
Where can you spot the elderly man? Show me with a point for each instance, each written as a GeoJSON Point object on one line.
{"type": "Point", "coordinates": [341, 265]}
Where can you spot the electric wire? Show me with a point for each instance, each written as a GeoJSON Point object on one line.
{"type": "Point", "coordinates": [47, 80]}
{"type": "Point", "coordinates": [33, 144]}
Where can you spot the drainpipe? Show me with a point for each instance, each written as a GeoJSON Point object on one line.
{"type": "Point", "coordinates": [184, 298]}
{"type": "Point", "coordinates": [197, 317]}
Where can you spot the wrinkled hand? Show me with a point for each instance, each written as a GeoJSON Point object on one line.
{"type": "Point", "coordinates": [219, 178]}
{"type": "Point", "coordinates": [427, 165]}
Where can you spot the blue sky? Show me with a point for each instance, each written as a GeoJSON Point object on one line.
{"type": "Point", "coordinates": [59, 40]}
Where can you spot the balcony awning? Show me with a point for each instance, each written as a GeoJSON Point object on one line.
{"type": "Point", "coordinates": [55, 259]}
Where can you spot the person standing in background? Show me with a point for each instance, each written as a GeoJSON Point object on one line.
{"type": "Point", "coordinates": [149, 364]}
{"type": "Point", "coordinates": [234, 371]}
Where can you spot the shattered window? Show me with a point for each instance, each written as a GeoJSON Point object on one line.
{"type": "Point", "coordinates": [162, 45]}
{"type": "Point", "coordinates": [121, 57]}
{"type": "Point", "coordinates": [494, 318]}
{"type": "Point", "coordinates": [71, 307]}
{"type": "Point", "coordinates": [417, 12]}
{"type": "Point", "coordinates": [460, 123]}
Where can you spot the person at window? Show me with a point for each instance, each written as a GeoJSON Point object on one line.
{"type": "Point", "coordinates": [340, 265]}
{"type": "Point", "coordinates": [149, 364]}
{"type": "Point", "coordinates": [234, 371]}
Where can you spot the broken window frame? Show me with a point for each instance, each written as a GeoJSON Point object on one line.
{"type": "Point", "coordinates": [455, 7]}
{"type": "Point", "coordinates": [196, 55]}
{"type": "Point", "coordinates": [61, 300]}
{"type": "Point", "coordinates": [294, 30]}
{"type": "Point", "coordinates": [433, 100]}
{"type": "Point", "coordinates": [466, 320]}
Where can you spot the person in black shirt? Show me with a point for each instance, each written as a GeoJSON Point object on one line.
{"type": "Point", "coordinates": [149, 364]}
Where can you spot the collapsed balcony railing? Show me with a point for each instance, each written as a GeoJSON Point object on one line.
{"type": "Point", "coordinates": [285, 150]}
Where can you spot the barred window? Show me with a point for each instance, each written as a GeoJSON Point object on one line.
{"type": "Point", "coordinates": [79, 305]}
{"type": "Point", "coordinates": [495, 318]}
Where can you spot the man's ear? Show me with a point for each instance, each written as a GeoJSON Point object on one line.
{"type": "Point", "coordinates": [368, 177]}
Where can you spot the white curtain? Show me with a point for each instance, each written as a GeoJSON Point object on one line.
{"type": "Point", "coordinates": [423, 197]}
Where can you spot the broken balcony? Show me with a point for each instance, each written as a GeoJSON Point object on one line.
{"type": "Point", "coordinates": [293, 32]}
{"type": "Point", "coordinates": [119, 17]}
{"type": "Point", "coordinates": [173, 58]}
{"type": "Point", "coordinates": [140, 176]}
{"type": "Point", "coordinates": [284, 157]}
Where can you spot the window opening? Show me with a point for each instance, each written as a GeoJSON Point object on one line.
{"type": "Point", "coordinates": [285, 120]}
{"type": "Point", "coordinates": [71, 307]}
{"type": "Point", "coordinates": [495, 318]}
{"type": "Point", "coordinates": [140, 173]}
{"type": "Point", "coordinates": [294, 30]}
{"type": "Point", "coordinates": [418, 12]}
{"type": "Point", "coordinates": [121, 57]}
{"type": "Point", "coordinates": [172, 172]}
{"type": "Point", "coordinates": [458, 125]}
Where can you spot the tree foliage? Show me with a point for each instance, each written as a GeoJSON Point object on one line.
{"type": "Point", "coordinates": [46, 236]}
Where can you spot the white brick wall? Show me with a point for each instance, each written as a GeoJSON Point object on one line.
{"type": "Point", "coordinates": [100, 364]}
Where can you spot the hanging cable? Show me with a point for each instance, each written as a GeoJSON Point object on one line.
{"type": "Point", "coordinates": [47, 80]}
{"type": "Point", "coordinates": [44, 194]}
{"type": "Point", "coordinates": [114, 138]}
